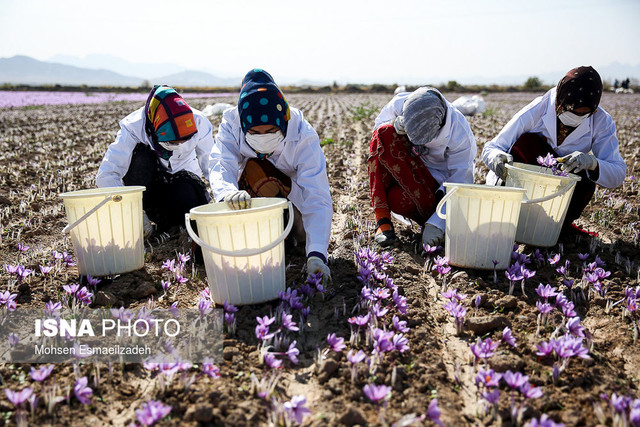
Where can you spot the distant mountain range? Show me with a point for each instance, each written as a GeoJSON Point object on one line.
{"type": "Point", "coordinates": [26, 70]}
{"type": "Point", "coordinates": [106, 70]}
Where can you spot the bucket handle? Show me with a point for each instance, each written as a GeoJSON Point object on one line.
{"type": "Point", "coordinates": [551, 196]}
{"type": "Point", "coordinates": [242, 252]}
{"type": "Point", "coordinates": [443, 200]}
{"type": "Point", "coordinates": [111, 197]}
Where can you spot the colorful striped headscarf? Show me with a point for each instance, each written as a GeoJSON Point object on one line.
{"type": "Point", "coordinates": [262, 102]}
{"type": "Point", "coordinates": [168, 117]}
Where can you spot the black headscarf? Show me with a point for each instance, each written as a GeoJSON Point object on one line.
{"type": "Point", "coordinates": [580, 87]}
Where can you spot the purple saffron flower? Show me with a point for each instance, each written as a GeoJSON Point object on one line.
{"type": "Point", "coordinates": [84, 296]}
{"type": "Point", "coordinates": [546, 291]}
{"type": "Point", "coordinates": [492, 397]}
{"type": "Point", "coordinates": [335, 342]}
{"type": "Point", "coordinates": [440, 261]}
{"type": "Point", "coordinates": [508, 337]}
{"type": "Point", "coordinates": [359, 320]}
{"type": "Point", "coordinates": [583, 257]}
{"type": "Point", "coordinates": [602, 273]}
{"type": "Point", "coordinates": [18, 397]}
{"type": "Point", "coordinates": [183, 258]}
{"type": "Point", "coordinates": [165, 285]}
{"type": "Point", "coordinates": [230, 319]}
{"type": "Point", "coordinates": [6, 297]}
{"type": "Point", "coordinates": [71, 289]}
{"type": "Point", "coordinates": [23, 272]}
{"type": "Point", "coordinates": [530, 392]}
{"type": "Point", "coordinates": [575, 328]}
{"type": "Point", "coordinates": [265, 321]}
{"type": "Point", "coordinates": [484, 349]}
{"type": "Point", "coordinates": [379, 311]}
{"type": "Point", "coordinates": [356, 357]}
{"type": "Point", "coordinates": [545, 348]}
{"type": "Point", "coordinates": [169, 265]}
{"type": "Point", "coordinates": [41, 374]}
{"type": "Point", "coordinates": [568, 309]}
{"type": "Point", "coordinates": [400, 343]}
{"type": "Point", "coordinates": [45, 269]}
{"type": "Point", "coordinates": [82, 391]}
{"type": "Point", "coordinates": [399, 325]}
{"type": "Point", "coordinates": [544, 421]}
{"type": "Point", "coordinates": [554, 259]}
{"type": "Point", "coordinates": [547, 161]}
{"type": "Point", "coordinates": [11, 269]}
{"type": "Point", "coordinates": [544, 308]}
{"type": "Point", "coordinates": [262, 333]}
{"type": "Point", "coordinates": [93, 281]}
{"type": "Point", "coordinates": [210, 369]}
{"type": "Point", "coordinates": [377, 393]}
{"type": "Point", "coordinates": [13, 339]}
{"type": "Point", "coordinates": [296, 410]}
{"type": "Point", "coordinates": [401, 302]}
{"type": "Point", "coordinates": [381, 293]}
{"type": "Point", "coordinates": [288, 323]}
{"type": "Point", "coordinates": [229, 308]}
{"type": "Point", "coordinates": [488, 378]}
{"type": "Point", "coordinates": [22, 248]}
{"type": "Point", "coordinates": [515, 379]}
{"type": "Point", "coordinates": [271, 361]}
{"type": "Point", "coordinates": [152, 412]}
{"type": "Point", "coordinates": [292, 353]}
{"type": "Point", "coordinates": [599, 262]}
{"type": "Point", "coordinates": [429, 249]}
{"type": "Point", "coordinates": [433, 412]}
{"type": "Point", "coordinates": [180, 279]}
{"type": "Point", "coordinates": [174, 309]}
{"type": "Point", "coordinates": [568, 283]}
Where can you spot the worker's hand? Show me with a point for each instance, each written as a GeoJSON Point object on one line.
{"type": "Point", "coordinates": [497, 164]}
{"type": "Point", "coordinates": [432, 235]}
{"type": "Point", "coordinates": [238, 200]}
{"type": "Point", "coordinates": [578, 161]}
{"type": "Point", "coordinates": [316, 265]}
{"type": "Point", "coordinates": [147, 225]}
{"type": "Point", "coordinates": [398, 124]}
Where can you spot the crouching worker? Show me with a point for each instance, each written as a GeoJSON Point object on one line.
{"type": "Point", "coordinates": [420, 141]}
{"type": "Point", "coordinates": [264, 148]}
{"type": "Point", "coordinates": [568, 123]}
{"type": "Point", "coordinates": [164, 146]}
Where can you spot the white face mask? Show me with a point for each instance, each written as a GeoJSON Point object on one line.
{"type": "Point", "coordinates": [572, 120]}
{"type": "Point", "coordinates": [265, 143]}
{"type": "Point", "coordinates": [171, 146]}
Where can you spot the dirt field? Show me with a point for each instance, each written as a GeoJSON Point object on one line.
{"type": "Point", "coordinates": [48, 150]}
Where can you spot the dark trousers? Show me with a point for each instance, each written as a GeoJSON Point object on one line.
{"type": "Point", "coordinates": [168, 196]}
{"type": "Point", "coordinates": [529, 146]}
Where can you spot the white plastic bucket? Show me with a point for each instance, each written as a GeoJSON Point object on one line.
{"type": "Point", "coordinates": [105, 226]}
{"type": "Point", "coordinates": [243, 249]}
{"type": "Point", "coordinates": [481, 224]}
{"type": "Point", "coordinates": [545, 205]}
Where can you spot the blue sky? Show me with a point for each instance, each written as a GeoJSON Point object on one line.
{"type": "Point", "coordinates": [349, 41]}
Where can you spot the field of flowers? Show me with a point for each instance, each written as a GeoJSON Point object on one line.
{"type": "Point", "coordinates": [398, 339]}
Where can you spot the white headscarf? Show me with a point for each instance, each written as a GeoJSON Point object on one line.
{"type": "Point", "coordinates": [424, 113]}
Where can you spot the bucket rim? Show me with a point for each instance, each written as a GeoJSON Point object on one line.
{"type": "Point", "coordinates": [486, 187]}
{"type": "Point", "coordinates": [102, 191]}
{"type": "Point", "coordinates": [201, 210]}
{"type": "Point", "coordinates": [571, 176]}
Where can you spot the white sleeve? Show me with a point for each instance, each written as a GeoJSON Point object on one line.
{"type": "Point", "coordinates": [116, 161]}
{"type": "Point", "coordinates": [224, 162]}
{"type": "Point", "coordinates": [311, 178]}
{"type": "Point", "coordinates": [461, 155]}
{"type": "Point", "coordinates": [204, 146]}
{"type": "Point", "coordinates": [524, 121]}
{"type": "Point", "coordinates": [605, 147]}
{"type": "Point", "coordinates": [392, 110]}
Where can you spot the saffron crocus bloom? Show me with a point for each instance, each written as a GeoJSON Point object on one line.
{"type": "Point", "coordinates": [568, 283]}
{"type": "Point", "coordinates": [93, 281]}
{"type": "Point", "coordinates": [433, 412]}
{"type": "Point", "coordinates": [381, 293]}
{"type": "Point", "coordinates": [400, 343]}
{"type": "Point", "coordinates": [288, 323]}
{"type": "Point", "coordinates": [183, 258]}
{"type": "Point", "coordinates": [575, 328]}
{"type": "Point", "coordinates": [71, 289]}
{"type": "Point", "coordinates": [265, 321]}
{"type": "Point", "coordinates": [13, 339]}
{"type": "Point", "coordinates": [356, 357]}
{"type": "Point", "coordinates": [11, 269]}
{"type": "Point", "coordinates": [492, 397]}
{"type": "Point", "coordinates": [554, 259]}
{"type": "Point", "coordinates": [544, 308]}
{"type": "Point", "coordinates": [488, 378]}
{"type": "Point", "coordinates": [229, 308]}
{"type": "Point", "coordinates": [180, 279]}
{"type": "Point", "coordinates": [174, 309]}
{"type": "Point", "coordinates": [152, 412]}
{"type": "Point", "coordinates": [545, 348]}
{"type": "Point", "coordinates": [210, 369]}
{"type": "Point", "coordinates": [292, 353]}
{"type": "Point", "coordinates": [546, 291]}
{"type": "Point", "coordinates": [359, 320]}
{"type": "Point", "coordinates": [515, 379]}
{"type": "Point", "coordinates": [547, 161]}
{"type": "Point", "coordinates": [82, 391]}
{"type": "Point", "coordinates": [401, 302]}
{"type": "Point", "coordinates": [230, 319]}
{"type": "Point", "coordinates": [18, 397]}
{"type": "Point", "coordinates": [529, 391]}
{"type": "Point", "coordinates": [382, 341]}
{"type": "Point", "coordinates": [379, 311]}
{"type": "Point", "coordinates": [399, 325]}
{"type": "Point", "coordinates": [41, 374]}
{"type": "Point", "coordinates": [22, 248]}
{"type": "Point", "coordinates": [377, 393]}
{"type": "Point", "coordinates": [169, 265]}
{"type": "Point", "coordinates": [6, 297]}
{"type": "Point", "coordinates": [271, 361]}
{"type": "Point", "coordinates": [262, 333]}
{"type": "Point", "coordinates": [165, 285]}
{"type": "Point", "coordinates": [295, 408]}
{"type": "Point", "coordinates": [335, 342]}
{"type": "Point", "coordinates": [583, 257]}
{"type": "Point", "coordinates": [45, 269]}
{"type": "Point", "coordinates": [508, 337]}
{"type": "Point", "coordinates": [544, 421]}
{"type": "Point", "coordinates": [84, 296]}
{"type": "Point", "coordinates": [484, 349]}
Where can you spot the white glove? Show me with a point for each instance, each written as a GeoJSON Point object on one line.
{"type": "Point", "coordinates": [431, 235]}
{"type": "Point", "coordinates": [238, 200]}
{"type": "Point", "coordinates": [497, 164]}
{"type": "Point", "coordinates": [315, 265]}
{"type": "Point", "coordinates": [578, 161]}
{"type": "Point", "coordinates": [147, 226]}
{"type": "Point", "coordinates": [398, 123]}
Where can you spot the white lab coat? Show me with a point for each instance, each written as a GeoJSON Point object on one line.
{"type": "Point", "coordinates": [597, 134]}
{"type": "Point", "coordinates": [299, 156]}
{"type": "Point", "coordinates": [451, 153]}
{"type": "Point", "coordinates": [192, 155]}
